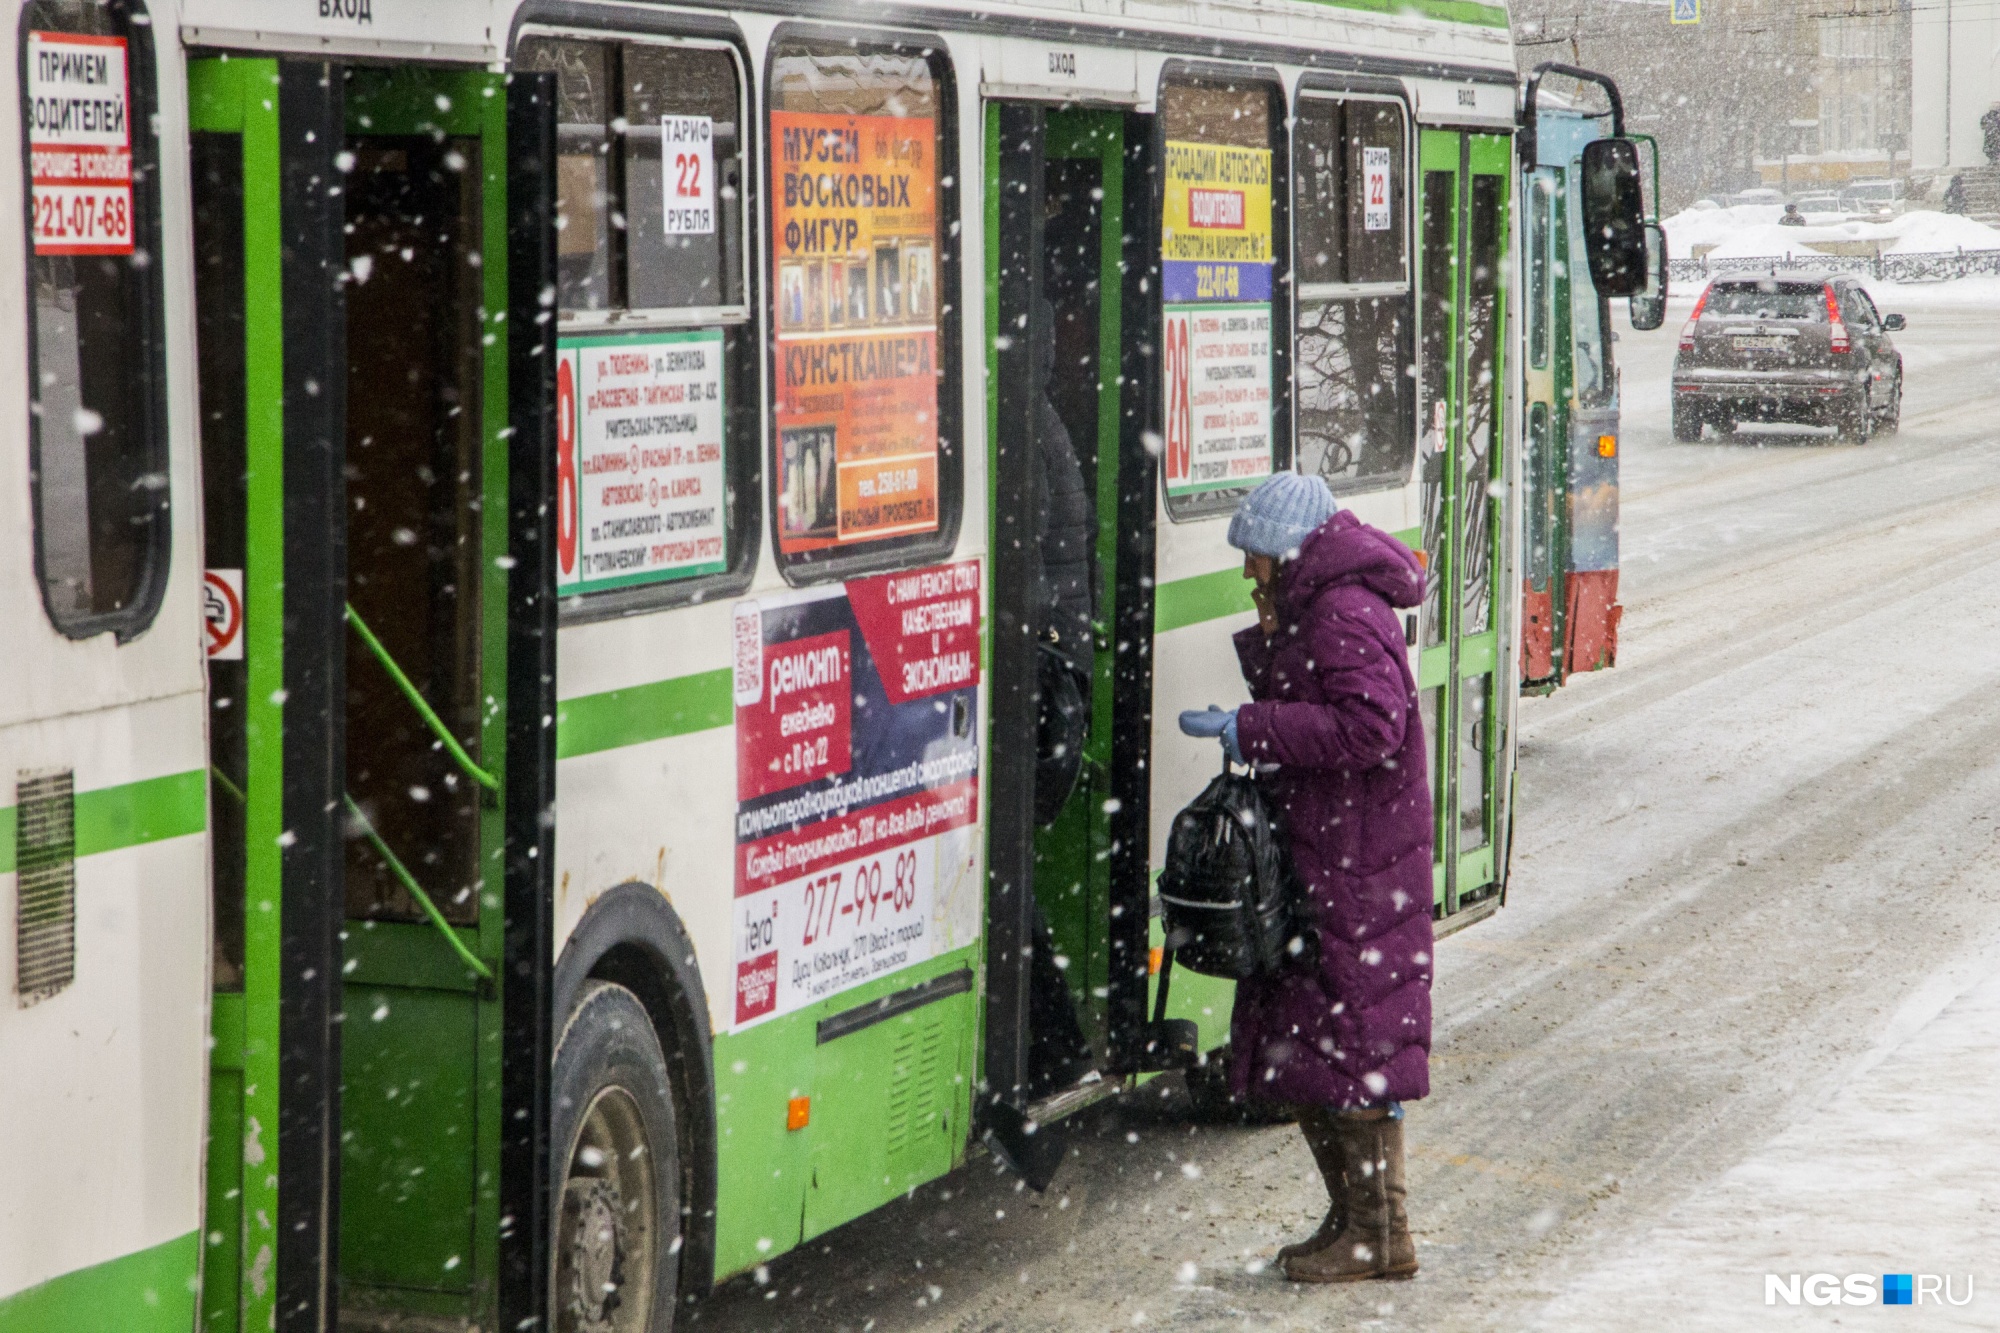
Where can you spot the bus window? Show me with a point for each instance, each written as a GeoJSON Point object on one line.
{"type": "Point", "coordinates": [1540, 242]}
{"type": "Point", "coordinates": [1589, 316]}
{"type": "Point", "coordinates": [97, 415]}
{"type": "Point", "coordinates": [682, 162]}
{"type": "Point", "coordinates": [583, 166]}
{"type": "Point", "coordinates": [864, 359]}
{"type": "Point", "coordinates": [655, 383]}
{"type": "Point", "coordinates": [1356, 381]}
{"type": "Point", "coordinates": [1226, 342]}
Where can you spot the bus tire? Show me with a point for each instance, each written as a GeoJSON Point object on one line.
{"type": "Point", "coordinates": [1208, 1092]}
{"type": "Point", "coordinates": [615, 1205]}
{"type": "Point", "coordinates": [1687, 422]}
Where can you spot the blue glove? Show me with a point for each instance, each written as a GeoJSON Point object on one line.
{"type": "Point", "coordinates": [1206, 722]}
{"type": "Point", "coordinates": [1216, 722]}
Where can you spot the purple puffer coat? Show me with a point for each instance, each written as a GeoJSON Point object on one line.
{"type": "Point", "coordinates": [1349, 1023]}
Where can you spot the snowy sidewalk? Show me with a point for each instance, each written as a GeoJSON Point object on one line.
{"type": "Point", "coordinates": [1898, 1173]}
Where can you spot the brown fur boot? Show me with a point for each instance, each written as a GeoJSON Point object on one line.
{"type": "Point", "coordinates": [1375, 1242]}
{"type": "Point", "coordinates": [1322, 1136]}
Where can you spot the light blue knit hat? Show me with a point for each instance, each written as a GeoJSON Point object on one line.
{"type": "Point", "coordinates": [1280, 514]}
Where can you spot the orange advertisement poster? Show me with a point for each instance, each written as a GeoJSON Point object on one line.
{"type": "Point", "coordinates": [855, 269]}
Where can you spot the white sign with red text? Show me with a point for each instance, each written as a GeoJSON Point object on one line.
{"type": "Point", "coordinates": [222, 613]}
{"type": "Point", "coordinates": [80, 144]}
{"type": "Point", "coordinates": [640, 489]}
{"type": "Point", "coordinates": [1218, 370]}
{"type": "Point", "coordinates": [1375, 214]}
{"type": "Point", "coordinates": [687, 168]}
{"type": "Point", "coordinates": [857, 784]}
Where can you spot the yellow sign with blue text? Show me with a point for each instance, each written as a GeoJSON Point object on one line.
{"type": "Point", "coordinates": [1216, 322]}
{"type": "Point", "coordinates": [1215, 225]}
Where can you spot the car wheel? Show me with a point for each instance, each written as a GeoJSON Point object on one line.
{"type": "Point", "coordinates": [1857, 423]}
{"type": "Point", "coordinates": [1892, 415]}
{"type": "Point", "coordinates": [616, 1168]}
{"type": "Point", "coordinates": [1687, 422]}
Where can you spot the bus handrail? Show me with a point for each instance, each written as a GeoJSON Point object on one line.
{"type": "Point", "coordinates": [415, 890]}
{"type": "Point", "coordinates": [424, 710]}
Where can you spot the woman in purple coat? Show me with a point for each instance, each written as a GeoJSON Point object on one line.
{"type": "Point", "coordinates": [1343, 1033]}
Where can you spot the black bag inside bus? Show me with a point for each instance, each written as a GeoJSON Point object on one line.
{"type": "Point", "coordinates": [1228, 894]}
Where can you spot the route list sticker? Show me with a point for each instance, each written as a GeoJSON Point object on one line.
{"type": "Point", "coordinates": [80, 144]}
{"type": "Point", "coordinates": [1215, 255]}
{"type": "Point", "coordinates": [640, 492]}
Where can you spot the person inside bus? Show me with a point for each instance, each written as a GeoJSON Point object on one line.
{"type": "Point", "coordinates": [1343, 1032]}
{"type": "Point", "coordinates": [1059, 1054]}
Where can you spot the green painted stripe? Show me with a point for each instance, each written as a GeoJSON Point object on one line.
{"type": "Point", "coordinates": [1448, 11]}
{"type": "Point", "coordinates": [153, 1289]}
{"type": "Point", "coordinates": [1226, 592]}
{"type": "Point", "coordinates": [1476, 656]}
{"type": "Point", "coordinates": [618, 718]}
{"type": "Point", "coordinates": [1191, 601]}
{"type": "Point", "coordinates": [109, 819]}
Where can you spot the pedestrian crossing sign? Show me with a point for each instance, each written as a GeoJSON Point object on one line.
{"type": "Point", "coordinates": [1687, 11]}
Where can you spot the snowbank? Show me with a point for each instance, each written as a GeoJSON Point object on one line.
{"type": "Point", "coordinates": [1752, 230]}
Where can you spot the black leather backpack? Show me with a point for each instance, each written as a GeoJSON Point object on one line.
{"type": "Point", "coordinates": [1228, 894]}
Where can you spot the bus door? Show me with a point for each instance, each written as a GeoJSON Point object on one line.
{"type": "Point", "coordinates": [1072, 521]}
{"type": "Point", "coordinates": [1570, 610]}
{"type": "Point", "coordinates": [351, 290]}
{"type": "Point", "coordinates": [1463, 206]}
{"type": "Point", "coordinates": [1543, 460]}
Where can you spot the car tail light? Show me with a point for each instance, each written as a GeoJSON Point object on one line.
{"type": "Point", "coordinates": [1840, 341]}
{"type": "Point", "coordinates": [1687, 329]}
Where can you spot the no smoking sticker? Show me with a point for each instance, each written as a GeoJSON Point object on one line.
{"type": "Point", "coordinates": [222, 613]}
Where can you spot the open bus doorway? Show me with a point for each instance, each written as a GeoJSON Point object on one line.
{"type": "Point", "coordinates": [373, 878]}
{"type": "Point", "coordinates": [1072, 527]}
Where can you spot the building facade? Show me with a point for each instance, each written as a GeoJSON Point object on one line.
{"type": "Point", "coordinates": [1759, 93]}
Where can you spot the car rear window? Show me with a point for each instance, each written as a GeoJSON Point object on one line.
{"type": "Point", "coordinates": [1768, 300]}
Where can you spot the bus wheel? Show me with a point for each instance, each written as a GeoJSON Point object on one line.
{"type": "Point", "coordinates": [616, 1201]}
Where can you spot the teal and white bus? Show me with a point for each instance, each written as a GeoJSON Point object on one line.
{"type": "Point", "coordinates": [524, 601]}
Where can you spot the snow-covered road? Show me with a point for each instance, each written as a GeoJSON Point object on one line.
{"type": "Point", "coordinates": [1742, 1012]}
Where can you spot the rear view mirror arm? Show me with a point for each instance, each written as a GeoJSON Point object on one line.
{"type": "Point", "coordinates": [1532, 91]}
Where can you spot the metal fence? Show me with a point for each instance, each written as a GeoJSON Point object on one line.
{"type": "Point", "coordinates": [1941, 266]}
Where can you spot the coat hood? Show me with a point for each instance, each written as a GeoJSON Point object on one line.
{"type": "Point", "coordinates": [1343, 551]}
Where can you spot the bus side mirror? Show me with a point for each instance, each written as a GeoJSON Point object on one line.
{"type": "Point", "coordinates": [1614, 213]}
{"type": "Point", "coordinates": [1649, 307]}
{"type": "Point", "coordinates": [1895, 323]}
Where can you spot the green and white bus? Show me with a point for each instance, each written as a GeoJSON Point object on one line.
{"type": "Point", "coordinates": [523, 601]}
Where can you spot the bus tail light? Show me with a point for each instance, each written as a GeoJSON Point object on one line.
{"type": "Point", "coordinates": [1841, 344]}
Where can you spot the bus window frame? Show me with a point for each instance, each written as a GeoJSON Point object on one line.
{"type": "Point", "coordinates": [743, 365]}
{"type": "Point", "coordinates": [1541, 265]}
{"type": "Point", "coordinates": [1363, 88]}
{"type": "Point", "coordinates": [1197, 73]}
{"type": "Point", "coordinates": [836, 563]}
{"type": "Point", "coordinates": [143, 116]}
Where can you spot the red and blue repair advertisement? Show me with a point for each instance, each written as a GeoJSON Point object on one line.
{"type": "Point", "coordinates": [857, 784]}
